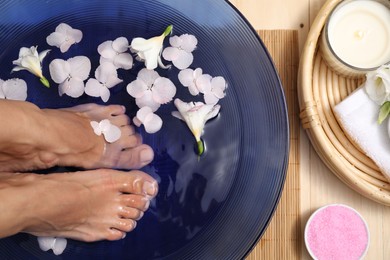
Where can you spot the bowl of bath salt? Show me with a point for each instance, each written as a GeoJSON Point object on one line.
{"type": "Point", "coordinates": [336, 232]}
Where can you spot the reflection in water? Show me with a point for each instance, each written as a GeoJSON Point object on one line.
{"type": "Point", "coordinates": [191, 189]}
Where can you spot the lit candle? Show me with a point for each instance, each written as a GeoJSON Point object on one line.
{"type": "Point", "coordinates": [356, 38]}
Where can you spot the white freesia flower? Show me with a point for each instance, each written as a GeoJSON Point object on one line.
{"type": "Point", "coordinates": [106, 78]}
{"type": "Point", "coordinates": [110, 132]}
{"type": "Point", "coordinates": [149, 50]}
{"type": "Point", "coordinates": [70, 75]}
{"type": "Point", "coordinates": [378, 84]}
{"type": "Point", "coordinates": [30, 60]}
{"type": "Point", "coordinates": [115, 52]}
{"type": "Point", "coordinates": [195, 114]}
{"type": "Point", "coordinates": [14, 89]}
{"type": "Point", "coordinates": [150, 120]}
{"type": "Point", "coordinates": [57, 244]}
{"type": "Point", "coordinates": [181, 51]}
{"type": "Point", "coordinates": [64, 37]}
{"type": "Point", "coordinates": [151, 90]}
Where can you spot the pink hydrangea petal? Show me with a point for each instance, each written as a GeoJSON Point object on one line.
{"type": "Point", "coordinates": [80, 67]}
{"type": "Point", "coordinates": [104, 94]}
{"type": "Point", "coordinates": [59, 245]}
{"type": "Point", "coordinates": [63, 28]}
{"type": "Point", "coordinates": [152, 123]}
{"type": "Point", "coordinates": [171, 53]}
{"type": "Point", "coordinates": [76, 35]}
{"type": "Point", "coordinates": [56, 39]}
{"type": "Point", "coordinates": [105, 125]}
{"type": "Point", "coordinates": [105, 49]}
{"type": "Point", "coordinates": [175, 41]}
{"type": "Point", "coordinates": [92, 88]}
{"type": "Point", "coordinates": [123, 61]}
{"type": "Point", "coordinates": [113, 81]}
{"type": "Point", "coordinates": [96, 128]}
{"type": "Point", "coordinates": [137, 88]}
{"type": "Point", "coordinates": [105, 71]}
{"type": "Point", "coordinates": [189, 42]}
{"type": "Point", "coordinates": [64, 47]}
{"type": "Point", "coordinates": [137, 122]}
{"type": "Point", "coordinates": [148, 101]}
{"type": "Point", "coordinates": [103, 60]}
{"type": "Point", "coordinates": [59, 70]}
{"type": "Point", "coordinates": [203, 83]}
{"type": "Point", "coordinates": [143, 112]}
{"type": "Point", "coordinates": [184, 60]}
{"type": "Point", "coordinates": [15, 89]}
{"type": "Point", "coordinates": [186, 77]}
{"type": "Point", "coordinates": [198, 72]}
{"type": "Point", "coordinates": [163, 90]}
{"type": "Point", "coordinates": [120, 44]}
{"type": "Point", "coordinates": [218, 86]}
{"type": "Point", "coordinates": [73, 87]}
{"type": "Point", "coordinates": [148, 76]}
{"type": "Point", "coordinates": [210, 98]}
{"type": "Point", "coordinates": [45, 243]}
{"type": "Point", "coordinates": [2, 93]}
{"type": "Point", "coordinates": [113, 134]}
{"type": "Point", "coordinates": [193, 89]}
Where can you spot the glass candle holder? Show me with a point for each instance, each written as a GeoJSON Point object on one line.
{"type": "Point", "coordinates": [356, 37]}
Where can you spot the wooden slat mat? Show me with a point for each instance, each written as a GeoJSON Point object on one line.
{"type": "Point", "coordinates": [282, 239]}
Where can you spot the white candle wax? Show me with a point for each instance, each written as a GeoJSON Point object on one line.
{"type": "Point", "coordinates": [359, 33]}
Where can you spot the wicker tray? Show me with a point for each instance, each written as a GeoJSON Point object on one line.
{"type": "Point", "coordinates": [319, 90]}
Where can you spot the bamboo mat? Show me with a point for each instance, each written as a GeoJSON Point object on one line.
{"type": "Point", "coordinates": [282, 239]}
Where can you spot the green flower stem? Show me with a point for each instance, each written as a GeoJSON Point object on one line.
{"type": "Point", "coordinates": [384, 112]}
{"type": "Point", "coordinates": [168, 30]}
{"type": "Point", "coordinates": [200, 147]}
{"type": "Point", "coordinates": [45, 82]}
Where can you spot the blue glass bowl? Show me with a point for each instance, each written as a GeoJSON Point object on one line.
{"type": "Point", "coordinates": [213, 208]}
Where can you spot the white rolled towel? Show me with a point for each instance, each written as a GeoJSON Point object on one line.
{"type": "Point", "coordinates": [358, 115]}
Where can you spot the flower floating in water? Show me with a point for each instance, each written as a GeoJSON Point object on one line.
{"type": "Point", "coordinates": [212, 88]}
{"type": "Point", "coordinates": [151, 90]}
{"type": "Point", "coordinates": [181, 51]}
{"type": "Point", "coordinates": [110, 132]}
{"type": "Point", "coordinates": [70, 75]}
{"type": "Point", "coordinates": [195, 114]}
{"type": "Point", "coordinates": [64, 37]}
{"type": "Point", "coordinates": [377, 87]}
{"type": "Point", "coordinates": [106, 78]}
{"type": "Point", "coordinates": [149, 50]}
{"type": "Point", "coordinates": [14, 89]}
{"type": "Point", "coordinates": [57, 244]}
{"type": "Point", "coordinates": [30, 60]}
{"type": "Point", "coordinates": [150, 120]}
{"type": "Point", "coordinates": [115, 53]}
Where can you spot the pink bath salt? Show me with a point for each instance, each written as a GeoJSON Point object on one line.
{"type": "Point", "coordinates": [337, 232]}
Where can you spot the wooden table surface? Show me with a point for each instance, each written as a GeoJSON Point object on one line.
{"type": "Point", "coordinates": [318, 185]}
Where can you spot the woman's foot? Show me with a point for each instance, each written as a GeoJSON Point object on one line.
{"type": "Point", "coordinates": [88, 206]}
{"type": "Point", "coordinates": [39, 139]}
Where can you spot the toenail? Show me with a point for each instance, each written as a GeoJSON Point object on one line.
{"type": "Point", "coordinates": [140, 215]}
{"type": "Point", "coordinates": [146, 155]}
{"type": "Point", "coordinates": [149, 188]}
{"type": "Point", "coordinates": [124, 235]}
{"type": "Point", "coordinates": [147, 204]}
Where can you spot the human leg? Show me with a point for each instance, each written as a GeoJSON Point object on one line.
{"type": "Point", "coordinates": [88, 206]}
{"type": "Point", "coordinates": [33, 138]}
